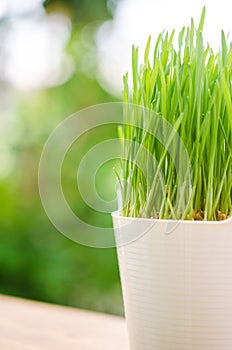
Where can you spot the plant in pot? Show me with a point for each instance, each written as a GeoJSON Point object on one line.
{"type": "Point", "coordinates": [174, 231]}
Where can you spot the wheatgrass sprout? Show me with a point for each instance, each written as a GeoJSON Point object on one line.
{"type": "Point", "coordinates": [190, 87]}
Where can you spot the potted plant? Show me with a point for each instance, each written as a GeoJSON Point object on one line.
{"type": "Point", "coordinates": [174, 231]}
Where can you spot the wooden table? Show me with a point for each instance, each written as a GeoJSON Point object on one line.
{"type": "Point", "coordinates": [29, 325]}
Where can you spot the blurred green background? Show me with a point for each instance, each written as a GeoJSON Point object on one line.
{"type": "Point", "coordinates": [36, 261]}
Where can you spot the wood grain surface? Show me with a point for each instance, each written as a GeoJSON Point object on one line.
{"type": "Point", "coordinates": [29, 325]}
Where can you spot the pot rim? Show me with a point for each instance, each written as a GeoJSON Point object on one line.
{"type": "Point", "coordinates": [117, 215]}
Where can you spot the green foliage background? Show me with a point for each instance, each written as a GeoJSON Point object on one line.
{"type": "Point", "coordinates": [36, 261]}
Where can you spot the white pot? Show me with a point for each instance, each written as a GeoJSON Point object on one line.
{"type": "Point", "coordinates": [177, 283]}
